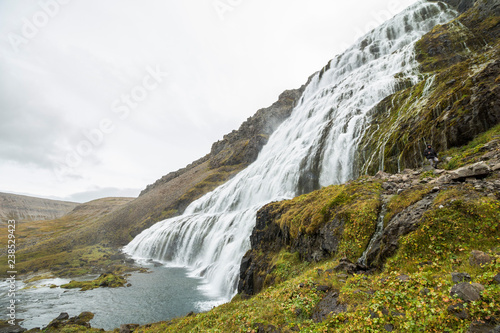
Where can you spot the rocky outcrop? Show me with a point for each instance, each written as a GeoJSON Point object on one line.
{"type": "Point", "coordinates": [23, 208]}
{"type": "Point", "coordinates": [401, 225]}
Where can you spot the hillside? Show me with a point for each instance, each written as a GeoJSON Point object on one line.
{"type": "Point", "coordinates": [24, 208]}
{"type": "Point", "coordinates": [49, 245]}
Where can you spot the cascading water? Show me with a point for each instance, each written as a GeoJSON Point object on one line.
{"type": "Point", "coordinates": [315, 147]}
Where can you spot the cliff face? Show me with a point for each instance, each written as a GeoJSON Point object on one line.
{"type": "Point", "coordinates": [458, 98]}
{"type": "Point", "coordinates": [23, 208]}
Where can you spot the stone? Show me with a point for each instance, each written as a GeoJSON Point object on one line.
{"type": "Point", "coordinates": [465, 291]}
{"type": "Point", "coordinates": [483, 327]}
{"type": "Point", "coordinates": [460, 277]}
{"type": "Point", "coordinates": [62, 316]}
{"type": "Point", "coordinates": [480, 169]}
{"type": "Point", "coordinates": [389, 327]}
{"type": "Point", "coordinates": [496, 279]}
{"type": "Point", "coordinates": [323, 288]}
{"type": "Point", "coordinates": [458, 310]}
{"type": "Point", "coordinates": [479, 258]}
{"type": "Point", "coordinates": [128, 328]}
{"type": "Point", "coordinates": [400, 225]}
{"type": "Point", "coordinates": [382, 175]}
{"type": "Point", "coordinates": [328, 306]}
{"type": "Point", "coordinates": [479, 287]}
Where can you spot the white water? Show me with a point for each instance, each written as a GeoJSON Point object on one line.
{"type": "Point", "coordinates": [315, 147]}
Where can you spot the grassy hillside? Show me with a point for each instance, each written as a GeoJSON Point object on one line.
{"type": "Point", "coordinates": [50, 245]}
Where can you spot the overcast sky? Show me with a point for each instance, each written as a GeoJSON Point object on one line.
{"type": "Point", "coordinates": [102, 97]}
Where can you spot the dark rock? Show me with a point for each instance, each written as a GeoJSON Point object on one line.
{"type": "Point", "coordinates": [62, 316]}
{"type": "Point", "coordinates": [389, 327]}
{"type": "Point", "coordinates": [460, 277]}
{"type": "Point", "coordinates": [327, 306]}
{"type": "Point", "coordinates": [323, 288]}
{"type": "Point", "coordinates": [487, 326]}
{"type": "Point", "coordinates": [261, 328]}
{"type": "Point", "coordinates": [496, 279]}
{"type": "Point", "coordinates": [400, 225]}
{"type": "Point", "coordinates": [478, 258]}
{"type": "Point", "coordinates": [466, 292]}
{"type": "Point", "coordinates": [458, 310]}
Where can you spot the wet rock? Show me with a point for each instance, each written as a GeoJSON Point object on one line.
{"type": "Point", "coordinates": [62, 316]}
{"type": "Point", "coordinates": [400, 225]}
{"type": "Point", "coordinates": [460, 277]}
{"type": "Point", "coordinates": [478, 258]}
{"type": "Point", "coordinates": [328, 306]}
{"type": "Point", "coordinates": [466, 292]}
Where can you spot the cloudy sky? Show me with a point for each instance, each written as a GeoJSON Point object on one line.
{"type": "Point", "coordinates": [102, 97]}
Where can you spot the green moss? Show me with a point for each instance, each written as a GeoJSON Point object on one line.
{"type": "Point", "coordinates": [104, 280]}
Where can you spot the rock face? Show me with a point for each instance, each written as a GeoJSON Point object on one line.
{"type": "Point", "coordinates": [402, 224]}
{"type": "Point", "coordinates": [23, 208]}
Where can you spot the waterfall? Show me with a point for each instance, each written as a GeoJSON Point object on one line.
{"type": "Point", "coordinates": [314, 147]}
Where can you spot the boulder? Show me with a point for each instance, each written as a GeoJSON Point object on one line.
{"type": "Point", "coordinates": [329, 305]}
{"type": "Point", "coordinates": [496, 279]}
{"type": "Point", "coordinates": [479, 258]}
{"type": "Point", "coordinates": [466, 292]}
{"type": "Point", "coordinates": [480, 169]}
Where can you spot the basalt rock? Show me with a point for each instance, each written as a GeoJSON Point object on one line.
{"type": "Point", "coordinates": [402, 224]}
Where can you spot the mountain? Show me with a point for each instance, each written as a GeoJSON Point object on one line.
{"type": "Point", "coordinates": [23, 208]}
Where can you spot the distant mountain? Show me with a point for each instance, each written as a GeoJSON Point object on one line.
{"type": "Point", "coordinates": [24, 208]}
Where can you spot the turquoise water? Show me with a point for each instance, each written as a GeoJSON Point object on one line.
{"type": "Point", "coordinates": [161, 295]}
